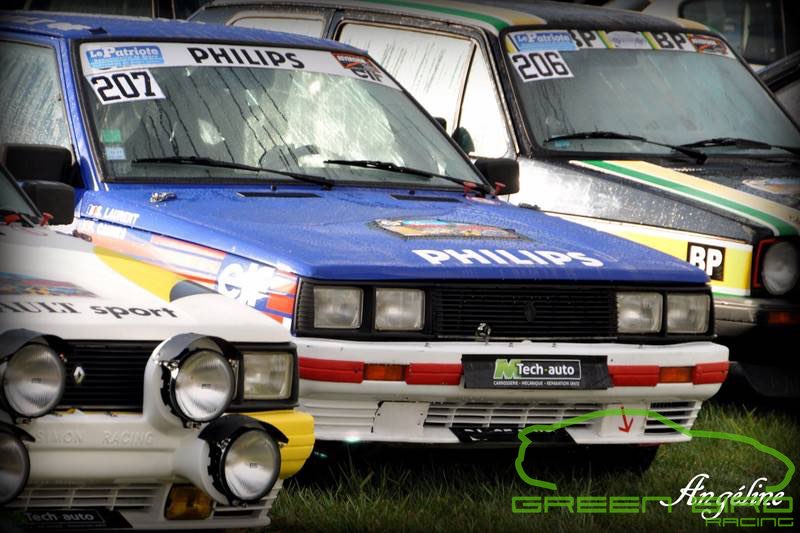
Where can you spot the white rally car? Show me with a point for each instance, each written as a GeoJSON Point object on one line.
{"type": "Point", "coordinates": [115, 379]}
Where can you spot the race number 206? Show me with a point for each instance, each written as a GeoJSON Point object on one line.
{"type": "Point", "coordinates": [534, 66]}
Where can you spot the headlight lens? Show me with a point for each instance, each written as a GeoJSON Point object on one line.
{"type": "Point", "coordinates": [780, 268]}
{"type": "Point", "coordinates": [268, 376]}
{"type": "Point", "coordinates": [639, 312]}
{"type": "Point", "coordinates": [33, 380]}
{"type": "Point", "coordinates": [204, 386]}
{"type": "Point", "coordinates": [399, 309]}
{"type": "Point", "coordinates": [338, 307]}
{"type": "Point", "coordinates": [688, 313]}
{"type": "Point", "coordinates": [14, 467]}
{"type": "Point", "coordinates": [251, 465]}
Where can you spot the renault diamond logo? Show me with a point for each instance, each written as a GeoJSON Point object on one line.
{"type": "Point", "coordinates": [530, 312]}
{"type": "Point", "coordinates": [78, 375]}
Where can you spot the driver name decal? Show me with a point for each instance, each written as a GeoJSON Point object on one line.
{"type": "Point", "coordinates": [506, 257]}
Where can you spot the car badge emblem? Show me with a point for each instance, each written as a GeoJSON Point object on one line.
{"type": "Point", "coordinates": [483, 331]}
{"type": "Point", "coordinates": [79, 375]}
{"type": "Point", "coordinates": [530, 312]}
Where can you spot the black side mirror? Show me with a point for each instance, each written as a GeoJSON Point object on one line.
{"type": "Point", "coordinates": [464, 140]}
{"type": "Point", "coordinates": [442, 122]}
{"type": "Point", "coordinates": [37, 162]}
{"type": "Point", "coordinates": [502, 172]}
{"type": "Point", "coordinates": [57, 199]}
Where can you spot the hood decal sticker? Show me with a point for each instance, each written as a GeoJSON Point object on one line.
{"type": "Point", "coordinates": [18, 284]}
{"type": "Point", "coordinates": [432, 228]}
{"type": "Point", "coordinates": [782, 220]}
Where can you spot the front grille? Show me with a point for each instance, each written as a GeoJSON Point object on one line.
{"type": "Point", "coordinates": [682, 413]}
{"type": "Point", "coordinates": [497, 415]}
{"type": "Point", "coordinates": [521, 312]}
{"type": "Point", "coordinates": [136, 496]}
{"type": "Point", "coordinates": [139, 497]}
{"type": "Point", "coordinates": [113, 374]}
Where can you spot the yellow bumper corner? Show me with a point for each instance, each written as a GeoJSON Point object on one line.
{"type": "Point", "coordinates": [299, 429]}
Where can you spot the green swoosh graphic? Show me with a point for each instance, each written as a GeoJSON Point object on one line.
{"type": "Point", "coordinates": [498, 23]}
{"type": "Point", "coordinates": [526, 441]}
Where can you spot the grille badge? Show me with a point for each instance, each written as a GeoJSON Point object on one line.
{"type": "Point", "coordinates": [483, 331]}
{"type": "Point", "coordinates": [78, 375]}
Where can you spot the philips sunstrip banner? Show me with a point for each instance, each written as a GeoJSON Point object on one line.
{"type": "Point", "coordinates": [108, 58]}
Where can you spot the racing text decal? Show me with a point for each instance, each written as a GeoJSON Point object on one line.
{"type": "Point", "coordinates": [104, 64]}
{"type": "Point", "coordinates": [506, 257]}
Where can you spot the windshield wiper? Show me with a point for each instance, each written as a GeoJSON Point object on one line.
{"type": "Point", "coordinates": [740, 143]}
{"type": "Point", "coordinates": [697, 155]}
{"type": "Point", "coordinates": [208, 162]}
{"type": "Point", "coordinates": [387, 165]}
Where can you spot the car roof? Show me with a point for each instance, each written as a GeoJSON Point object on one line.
{"type": "Point", "coordinates": [73, 26]}
{"type": "Point", "coordinates": [499, 14]}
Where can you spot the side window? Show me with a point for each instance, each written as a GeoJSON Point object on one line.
{"type": "Point", "coordinates": [430, 66]}
{"type": "Point", "coordinates": [33, 110]}
{"type": "Point", "coordinates": [303, 25]}
{"type": "Point", "coordinates": [482, 129]}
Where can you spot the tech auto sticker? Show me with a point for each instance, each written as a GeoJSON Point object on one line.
{"type": "Point", "coordinates": [441, 228]}
{"type": "Point", "coordinates": [131, 57]}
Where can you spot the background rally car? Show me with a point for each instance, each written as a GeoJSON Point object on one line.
{"type": "Point", "coordinates": [648, 128]}
{"type": "Point", "coordinates": [115, 375]}
{"type": "Point", "coordinates": [294, 175]}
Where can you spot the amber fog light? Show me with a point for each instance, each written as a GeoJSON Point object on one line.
{"type": "Point", "coordinates": [186, 502]}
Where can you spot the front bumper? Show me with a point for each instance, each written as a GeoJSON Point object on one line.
{"type": "Point", "coordinates": [122, 462]}
{"type": "Point", "coordinates": [397, 411]}
{"type": "Point", "coordinates": [747, 326]}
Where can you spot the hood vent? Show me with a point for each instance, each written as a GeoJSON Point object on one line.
{"type": "Point", "coordinates": [251, 194]}
{"type": "Point", "coordinates": [417, 198]}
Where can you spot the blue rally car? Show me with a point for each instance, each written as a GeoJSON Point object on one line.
{"type": "Point", "coordinates": [295, 175]}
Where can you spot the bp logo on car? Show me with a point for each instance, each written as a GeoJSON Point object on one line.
{"type": "Point", "coordinates": [709, 259]}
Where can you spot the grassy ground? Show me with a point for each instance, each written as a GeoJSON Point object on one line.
{"type": "Point", "coordinates": [368, 489]}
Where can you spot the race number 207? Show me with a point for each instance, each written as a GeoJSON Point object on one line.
{"type": "Point", "coordinates": [125, 87]}
{"type": "Point", "coordinates": [534, 66]}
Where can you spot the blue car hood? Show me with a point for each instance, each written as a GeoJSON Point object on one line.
{"type": "Point", "coordinates": [353, 233]}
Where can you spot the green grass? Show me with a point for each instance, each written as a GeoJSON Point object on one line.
{"type": "Point", "coordinates": [402, 489]}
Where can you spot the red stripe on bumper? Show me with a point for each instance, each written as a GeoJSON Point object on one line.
{"type": "Point", "coordinates": [634, 375]}
{"type": "Point", "coordinates": [331, 370]}
{"type": "Point", "coordinates": [433, 374]}
{"type": "Point", "coordinates": [710, 373]}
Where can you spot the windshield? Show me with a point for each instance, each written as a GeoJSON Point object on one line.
{"type": "Point", "coordinates": [292, 111]}
{"type": "Point", "coordinates": [11, 199]}
{"type": "Point", "coordinates": [673, 89]}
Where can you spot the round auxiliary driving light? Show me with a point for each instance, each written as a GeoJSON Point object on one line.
{"type": "Point", "coordinates": [200, 385]}
{"type": "Point", "coordinates": [781, 268]}
{"type": "Point", "coordinates": [33, 380]}
{"type": "Point", "coordinates": [245, 459]}
{"type": "Point", "coordinates": [251, 464]}
{"type": "Point", "coordinates": [14, 467]}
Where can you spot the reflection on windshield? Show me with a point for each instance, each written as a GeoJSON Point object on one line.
{"type": "Point", "coordinates": [277, 119]}
{"type": "Point", "coordinates": [672, 97]}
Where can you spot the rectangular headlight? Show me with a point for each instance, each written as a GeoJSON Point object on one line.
{"type": "Point", "coordinates": [688, 313]}
{"type": "Point", "coordinates": [639, 312]}
{"type": "Point", "coordinates": [338, 307]}
{"type": "Point", "coordinates": [268, 375]}
{"type": "Point", "coordinates": [399, 309]}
